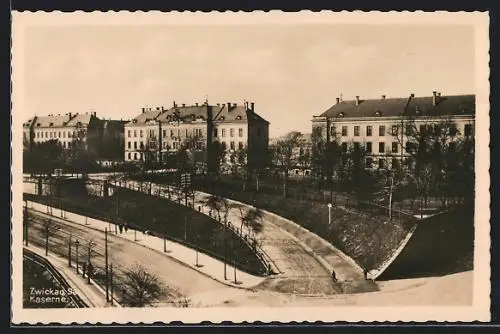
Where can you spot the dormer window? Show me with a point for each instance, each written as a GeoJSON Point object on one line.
{"type": "Point", "coordinates": [378, 113]}
{"type": "Point", "coordinates": [51, 124]}
{"type": "Point", "coordinates": [239, 117]}
{"type": "Point", "coordinates": [340, 114]}
{"type": "Point", "coordinates": [221, 118]}
{"type": "Point", "coordinates": [38, 124]}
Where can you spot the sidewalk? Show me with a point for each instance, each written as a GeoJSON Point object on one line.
{"type": "Point", "coordinates": [92, 294]}
{"type": "Point", "coordinates": [208, 265]}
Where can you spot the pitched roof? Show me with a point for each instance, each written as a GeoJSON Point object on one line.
{"type": "Point", "coordinates": [50, 121]}
{"type": "Point", "coordinates": [220, 113]}
{"type": "Point", "coordinates": [390, 107]}
{"type": "Point", "coordinates": [79, 119]}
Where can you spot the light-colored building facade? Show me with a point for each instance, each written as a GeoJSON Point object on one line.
{"type": "Point", "coordinates": [384, 126]}
{"type": "Point", "coordinates": [86, 129]}
{"type": "Point", "coordinates": [162, 131]}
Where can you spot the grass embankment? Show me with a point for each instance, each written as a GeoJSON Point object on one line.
{"type": "Point", "coordinates": [362, 233]}
{"type": "Point", "coordinates": [162, 218]}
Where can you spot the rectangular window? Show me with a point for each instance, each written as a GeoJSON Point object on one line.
{"type": "Point", "coordinates": [381, 163]}
{"type": "Point", "coordinates": [467, 130]}
{"type": "Point", "coordinates": [129, 135]}
{"type": "Point", "coordinates": [344, 131]}
{"type": "Point", "coordinates": [381, 147]}
{"type": "Point", "coordinates": [135, 156]}
{"type": "Point", "coordinates": [129, 144]}
{"type": "Point", "coordinates": [129, 154]}
{"type": "Point", "coordinates": [215, 132]}
{"type": "Point", "coordinates": [332, 130]}
{"type": "Point", "coordinates": [140, 133]}
{"type": "Point", "coordinates": [381, 130]}
{"type": "Point", "coordinates": [423, 129]}
{"type": "Point", "coordinates": [409, 130]}
{"type": "Point", "coordinates": [356, 145]}
{"type": "Point", "coordinates": [356, 130]}
{"type": "Point", "coordinates": [164, 133]}
{"type": "Point", "coordinates": [64, 134]}
{"type": "Point", "coordinates": [344, 147]}
{"type": "Point", "coordinates": [240, 132]}
{"type": "Point", "coordinates": [231, 132]}
{"type": "Point", "coordinates": [394, 130]}
{"type": "Point", "coordinates": [135, 135]}
{"type": "Point", "coordinates": [369, 163]}
{"type": "Point", "coordinates": [368, 130]}
{"type": "Point", "coordinates": [135, 145]}
{"type": "Point", "coordinates": [395, 147]}
{"type": "Point", "coordinates": [232, 145]}
{"type": "Point", "coordinates": [171, 133]}
{"type": "Point", "coordinates": [240, 145]}
{"type": "Point", "coordinates": [369, 147]}
{"type": "Point", "coordinates": [223, 132]}
{"type": "Point", "coordinates": [453, 131]}
{"type": "Point", "coordinates": [69, 134]}
{"type": "Point", "coordinates": [59, 134]}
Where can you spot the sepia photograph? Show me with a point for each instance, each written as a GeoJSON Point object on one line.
{"type": "Point", "coordinates": [250, 167]}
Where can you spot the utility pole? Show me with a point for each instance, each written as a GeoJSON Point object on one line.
{"type": "Point", "coordinates": [26, 222]}
{"type": "Point", "coordinates": [106, 262]}
{"type": "Point", "coordinates": [88, 266]}
{"type": "Point", "coordinates": [76, 244]}
{"type": "Point", "coordinates": [164, 243]}
{"type": "Point", "coordinates": [111, 282]}
{"type": "Point", "coordinates": [69, 251]}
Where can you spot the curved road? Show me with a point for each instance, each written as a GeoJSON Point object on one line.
{"type": "Point", "coordinates": [299, 271]}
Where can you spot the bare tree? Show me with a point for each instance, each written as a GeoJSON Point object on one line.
{"type": "Point", "coordinates": [285, 153]}
{"type": "Point", "coordinates": [142, 288]}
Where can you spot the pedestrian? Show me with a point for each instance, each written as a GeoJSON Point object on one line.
{"type": "Point", "coordinates": [126, 228]}
{"type": "Point", "coordinates": [84, 268]}
{"type": "Point", "coordinates": [120, 227]}
{"type": "Point", "coordinates": [334, 276]}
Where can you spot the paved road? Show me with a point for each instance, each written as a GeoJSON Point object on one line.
{"type": "Point", "coordinates": [181, 280]}
{"type": "Point", "coordinates": [299, 271]}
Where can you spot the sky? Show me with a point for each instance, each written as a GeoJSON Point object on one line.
{"type": "Point", "coordinates": [290, 72]}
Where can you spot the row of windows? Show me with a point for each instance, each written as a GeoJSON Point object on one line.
{"type": "Point", "coordinates": [137, 156]}
{"type": "Point", "coordinates": [369, 147]}
{"type": "Point", "coordinates": [231, 132]}
{"type": "Point", "coordinates": [436, 129]}
{"type": "Point", "coordinates": [56, 134]}
{"type": "Point", "coordinates": [197, 132]}
{"type": "Point", "coordinates": [382, 163]}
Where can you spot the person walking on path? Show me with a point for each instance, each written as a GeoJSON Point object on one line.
{"type": "Point", "coordinates": [84, 269]}
{"type": "Point", "coordinates": [334, 276]}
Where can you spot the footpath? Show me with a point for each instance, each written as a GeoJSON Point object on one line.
{"type": "Point", "coordinates": [92, 294]}
{"type": "Point", "coordinates": [206, 264]}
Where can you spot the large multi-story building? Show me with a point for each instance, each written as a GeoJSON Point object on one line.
{"type": "Point", "coordinates": [86, 129]}
{"type": "Point", "coordinates": [161, 131]}
{"type": "Point", "coordinates": [387, 126]}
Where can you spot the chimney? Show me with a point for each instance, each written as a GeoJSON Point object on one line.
{"type": "Point", "coordinates": [175, 104]}
{"type": "Point", "coordinates": [196, 104]}
{"type": "Point", "coordinates": [69, 114]}
{"type": "Point", "coordinates": [412, 95]}
{"type": "Point", "coordinates": [95, 113]}
{"type": "Point", "coordinates": [383, 97]}
{"type": "Point", "coordinates": [157, 108]}
{"type": "Point", "coordinates": [252, 106]}
{"type": "Point", "coordinates": [338, 100]}
{"type": "Point", "coordinates": [357, 100]}
{"type": "Point", "coordinates": [228, 106]}
{"type": "Point", "coordinates": [143, 110]}
{"type": "Point", "coordinates": [434, 98]}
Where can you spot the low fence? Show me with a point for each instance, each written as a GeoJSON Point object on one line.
{"type": "Point", "coordinates": [77, 301]}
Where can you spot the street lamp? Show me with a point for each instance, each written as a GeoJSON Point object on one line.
{"type": "Point", "coordinates": [76, 244]}
{"type": "Point", "coordinates": [329, 213]}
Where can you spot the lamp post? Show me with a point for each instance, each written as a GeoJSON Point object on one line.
{"type": "Point", "coordinates": [329, 213]}
{"type": "Point", "coordinates": [69, 251]}
{"type": "Point", "coordinates": [76, 245]}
